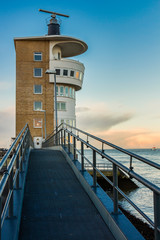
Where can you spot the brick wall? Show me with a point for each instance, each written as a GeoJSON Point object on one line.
{"type": "Point", "coordinates": [25, 81]}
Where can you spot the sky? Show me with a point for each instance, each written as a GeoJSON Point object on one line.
{"type": "Point", "coordinates": [120, 97]}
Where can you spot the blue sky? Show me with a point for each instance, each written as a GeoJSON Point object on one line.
{"type": "Point", "coordinates": [120, 98]}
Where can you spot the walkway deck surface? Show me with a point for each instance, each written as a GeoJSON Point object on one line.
{"type": "Point", "coordinates": [55, 205]}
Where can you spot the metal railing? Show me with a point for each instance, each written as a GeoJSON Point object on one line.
{"type": "Point", "coordinates": [64, 135]}
{"type": "Point", "coordinates": [11, 166]}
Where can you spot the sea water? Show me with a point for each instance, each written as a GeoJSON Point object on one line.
{"type": "Point", "coordinates": [142, 196]}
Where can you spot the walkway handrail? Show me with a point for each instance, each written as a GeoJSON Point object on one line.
{"type": "Point", "coordinates": [145, 160]}
{"type": "Point", "coordinates": [65, 132]}
{"type": "Point", "coordinates": [10, 168]}
{"type": "Point", "coordinates": [10, 150]}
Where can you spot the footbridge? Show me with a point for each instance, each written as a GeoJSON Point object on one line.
{"type": "Point", "coordinates": [48, 193]}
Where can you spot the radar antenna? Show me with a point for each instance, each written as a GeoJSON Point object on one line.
{"type": "Point", "coordinates": [53, 13]}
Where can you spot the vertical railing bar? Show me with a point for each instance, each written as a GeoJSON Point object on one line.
{"type": "Point", "coordinates": [94, 169]}
{"type": "Point", "coordinates": [69, 143]}
{"type": "Point", "coordinates": [74, 146]}
{"type": "Point", "coordinates": [102, 148]}
{"type": "Point", "coordinates": [64, 138]}
{"type": "Point", "coordinates": [17, 167]}
{"type": "Point", "coordinates": [82, 156]}
{"type": "Point", "coordinates": [0, 217]}
{"type": "Point", "coordinates": [10, 212]}
{"type": "Point", "coordinates": [115, 184]}
{"type": "Point", "coordinates": [61, 137]}
{"type": "Point", "coordinates": [156, 198]}
{"type": "Point", "coordinates": [131, 167]}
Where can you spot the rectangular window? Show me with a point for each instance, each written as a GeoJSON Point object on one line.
{"type": "Point", "coordinates": [77, 75]}
{"type": "Point", "coordinates": [71, 73]}
{"type": "Point", "coordinates": [70, 92]}
{"type": "Point", "coordinates": [37, 106]}
{"type": "Point", "coordinates": [61, 91]}
{"type": "Point", "coordinates": [38, 89]}
{"type": "Point", "coordinates": [37, 123]}
{"type": "Point", "coordinates": [61, 106]}
{"type": "Point", "coordinates": [80, 76]}
{"type": "Point", "coordinates": [37, 56]}
{"type": "Point", "coordinates": [65, 72]}
{"type": "Point", "coordinates": [37, 72]}
{"type": "Point", "coordinates": [58, 72]}
{"type": "Point", "coordinates": [66, 91]}
{"type": "Point", "coordinates": [58, 106]}
{"type": "Point", "coordinates": [73, 93]}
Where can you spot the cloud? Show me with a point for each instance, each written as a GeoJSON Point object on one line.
{"type": "Point", "coordinates": [82, 109]}
{"type": "Point", "coordinates": [7, 126]}
{"type": "Point", "coordinates": [137, 138]}
{"type": "Point", "coordinates": [96, 121]}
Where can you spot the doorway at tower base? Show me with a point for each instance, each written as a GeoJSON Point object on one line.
{"type": "Point", "coordinates": [37, 142]}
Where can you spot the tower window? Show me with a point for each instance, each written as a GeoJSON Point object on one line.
{"type": "Point", "coordinates": [65, 72]}
{"type": "Point", "coordinates": [66, 91]}
{"type": "Point", "coordinates": [73, 93]}
{"type": "Point", "coordinates": [37, 106]}
{"type": "Point", "coordinates": [58, 72]}
{"type": "Point", "coordinates": [38, 89]}
{"type": "Point", "coordinates": [37, 123]}
{"type": "Point", "coordinates": [37, 72]}
{"type": "Point", "coordinates": [37, 56]}
{"type": "Point", "coordinates": [61, 91]}
{"type": "Point", "coordinates": [70, 92]}
{"type": "Point", "coordinates": [80, 76]}
{"type": "Point", "coordinates": [61, 106]}
{"type": "Point", "coordinates": [77, 75]}
{"type": "Point", "coordinates": [71, 73]}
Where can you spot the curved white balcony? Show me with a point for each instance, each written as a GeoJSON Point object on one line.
{"type": "Point", "coordinates": [70, 72]}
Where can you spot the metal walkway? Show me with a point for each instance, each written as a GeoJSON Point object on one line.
{"type": "Point", "coordinates": [55, 205]}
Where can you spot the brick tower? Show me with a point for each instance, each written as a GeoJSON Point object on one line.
{"type": "Point", "coordinates": [34, 88]}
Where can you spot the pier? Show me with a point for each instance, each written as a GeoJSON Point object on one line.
{"type": "Point", "coordinates": [50, 194]}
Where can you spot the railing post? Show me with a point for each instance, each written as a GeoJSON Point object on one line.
{"type": "Point", "coordinates": [10, 213]}
{"type": "Point", "coordinates": [156, 197]}
{"type": "Point", "coordinates": [69, 143]}
{"type": "Point", "coordinates": [17, 168]}
{"type": "Point", "coordinates": [94, 170]}
{"type": "Point", "coordinates": [59, 140]}
{"type": "Point", "coordinates": [64, 138]}
{"type": "Point", "coordinates": [131, 167]}
{"type": "Point", "coordinates": [21, 155]}
{"type": "Point", "coordinates": [82, 156]}
{"type": "Point", "coordinates": [0, 215]}
{"type": "Point", "coordinates": [61, 137]}
{"type": "Point", "coordinates": [115, 184]}
{"type": "Point", "coordinates": [74, 147]}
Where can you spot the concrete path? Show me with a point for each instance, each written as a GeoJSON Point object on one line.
{"type": "Point", "coordinates": [55, 205]}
